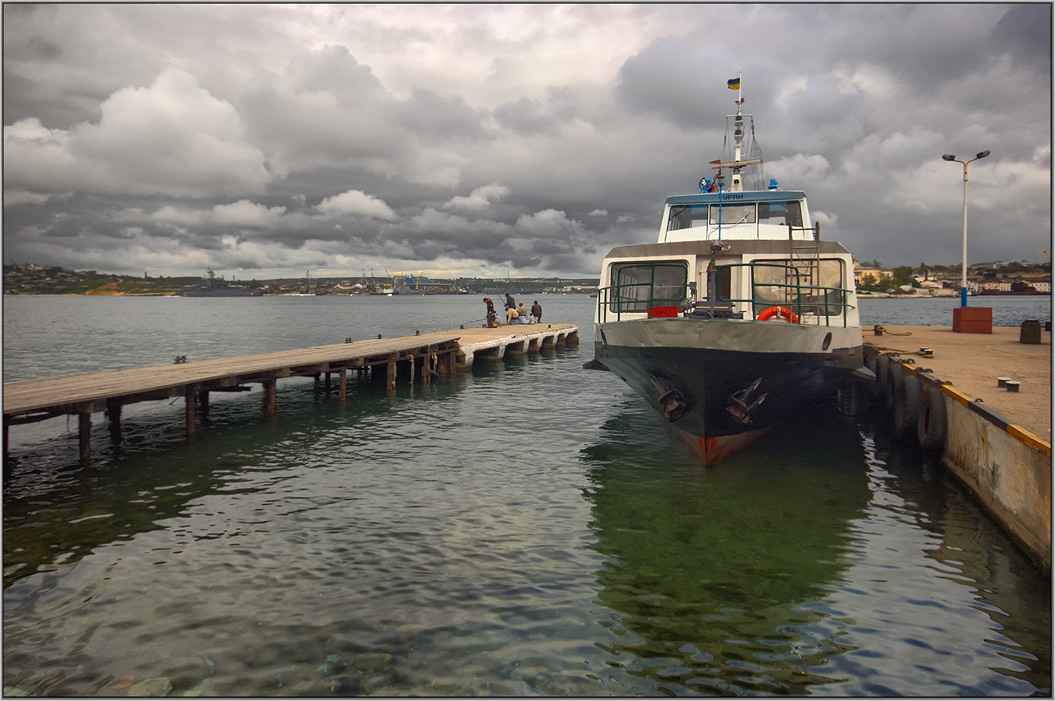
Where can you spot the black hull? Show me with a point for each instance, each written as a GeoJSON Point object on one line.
{"type": "Point", "coordinates": [720, 401]}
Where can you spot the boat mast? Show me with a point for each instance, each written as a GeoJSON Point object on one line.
{"type": "Point", "coordinates": [738, 140]}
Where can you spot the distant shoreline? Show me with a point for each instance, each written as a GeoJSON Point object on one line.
{"type": "Point", "coordinates": [866, 295]}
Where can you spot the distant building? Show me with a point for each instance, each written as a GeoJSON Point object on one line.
{"type": "Point", "coordinates": [876, 273]}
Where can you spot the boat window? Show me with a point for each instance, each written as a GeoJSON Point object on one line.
{"type": "Point", "coordinates": [782, 213]}
{"type": "Point", "coordinates": [806, 286]}
{"type": "Point", "coordinates": [687, 216]}
{"type": "Point", "coordinates": [638, 287]}
{"type": "Point", "coordinates": [734, 214]}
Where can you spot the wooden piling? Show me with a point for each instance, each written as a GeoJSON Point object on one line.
{"type": "Point", "coordinates": [191, 403]}
{"type": "Point", "coordinates": [84, 436]}
{"type": "Point", "coordinates": [270, 386]}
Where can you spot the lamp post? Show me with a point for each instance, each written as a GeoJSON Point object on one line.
{"type": "Point", "coordinates": [963, 279]}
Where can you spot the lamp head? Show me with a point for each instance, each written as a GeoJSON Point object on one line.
{"type": "Point", "coordinates": [983, 154]}
{"type": "Point", "coordinates": [948, 157]}
{"type": "Point", "coordinates": [720, 181]}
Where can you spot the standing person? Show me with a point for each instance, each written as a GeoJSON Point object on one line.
{"type": "Point", "coordinates": [510, 302]}
{"type": "Point", "coordinates": [492, 317]}
{"type": "Point", "coordinates": [536, 311]}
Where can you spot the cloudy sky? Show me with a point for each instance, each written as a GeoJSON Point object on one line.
{"type": "Point", "coordinates": [486, 140]}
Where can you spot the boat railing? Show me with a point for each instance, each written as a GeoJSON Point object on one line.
{"type": "Point", "coordinates": [637, 299]}
{"type": "Point", "coordinates": [820, 304]}
{"type": "Point", "coordinates": [771, 285]}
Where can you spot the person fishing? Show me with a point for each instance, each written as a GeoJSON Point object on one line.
{"type": "Point", "coordinates": [510, 302]}
{"type": "Point", "coordinates": [492, 316]}
{"type": "Point", "coordinates": [536, 311]}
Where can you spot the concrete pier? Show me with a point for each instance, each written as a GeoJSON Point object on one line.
{"type": "Point", "coordinates": [955, 391]}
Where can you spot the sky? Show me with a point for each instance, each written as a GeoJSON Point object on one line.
{"type": "Point", "coordinates": [524, 140]}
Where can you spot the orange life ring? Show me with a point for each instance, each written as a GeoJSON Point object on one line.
{"type": "Point", "coordinates": [782, 311]}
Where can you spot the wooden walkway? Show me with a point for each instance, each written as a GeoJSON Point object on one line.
{"type": "Point", "coordinates": [424, 356]}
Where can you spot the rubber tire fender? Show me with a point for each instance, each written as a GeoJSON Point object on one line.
{"type": "Point", "coordinates": [882, 369]}
{"type": "Point", "coordinates": [932, 426]}
{"type": "Point", "coordinates": [895, 374]}
{"type": "Point", "coordinates": [907, 406]}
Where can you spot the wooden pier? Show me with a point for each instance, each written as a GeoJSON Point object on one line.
{"type": "Point", "coordinates": [424, 356]}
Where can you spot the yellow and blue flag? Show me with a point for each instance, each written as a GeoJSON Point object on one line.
{"type": "Point", "coordinates": [734, 83]}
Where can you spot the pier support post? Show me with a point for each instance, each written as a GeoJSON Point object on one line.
{"type": "Point", "coordinates": [191, 401]}
{"type": "Point", "coordinates": [84, 436]}
{"type": "Point", "coordinates": [390, 378]}
{"type": "Point", "coordinates": [327, 384]}
{"type": "Point", "coordinates": [270, 393]}
{"type": "Point", "coordinates": [203, 402]}
{"type": "Point", "coordinates": [113, 412]}
{"type": "Point", "coordinates": [426, 376]}
{"type": "Point", "coordinates": [342, 384]}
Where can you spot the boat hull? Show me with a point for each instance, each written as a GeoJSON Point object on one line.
{"type": "Point", "coordinates": [722, 384]}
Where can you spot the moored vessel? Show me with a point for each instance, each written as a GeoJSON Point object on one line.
{"type": "Point", "coordinates": [211, 286]}
{"type": "Point", "coordinates": [738, 315]}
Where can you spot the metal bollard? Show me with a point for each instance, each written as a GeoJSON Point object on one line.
{"type": "Point", "coordinates": [1030, 331]}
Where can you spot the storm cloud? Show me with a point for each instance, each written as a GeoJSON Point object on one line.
{"type": "Point", "coordinates": [476, 140]}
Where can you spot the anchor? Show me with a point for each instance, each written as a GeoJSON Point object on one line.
{"type": "Point", "coordinates": [739, 405]}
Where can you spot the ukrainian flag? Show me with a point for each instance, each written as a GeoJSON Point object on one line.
{"type": "Point", "coordinates": [734, 83]}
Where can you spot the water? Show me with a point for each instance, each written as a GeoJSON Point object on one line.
{"type": "Point", "coordinates": [525, 528]}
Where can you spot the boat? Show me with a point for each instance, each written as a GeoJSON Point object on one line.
{"type": "Point", "coordinates": [211, 286]}
{"type": "Point", "coordinates": [739, 315]}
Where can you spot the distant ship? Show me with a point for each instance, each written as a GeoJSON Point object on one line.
{"type": "Point", "coordinates": [210, 286]}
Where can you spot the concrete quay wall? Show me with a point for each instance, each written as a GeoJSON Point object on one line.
{"type": "Point", "coordinates": [1007, 468]}
{"type": "Point", "coordinates": [996, 454]}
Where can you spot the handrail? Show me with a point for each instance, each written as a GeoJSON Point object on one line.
{"type": "Point", "coordinates": [801, 299]}
{"type": "Point", "coordinates": [817, 297]}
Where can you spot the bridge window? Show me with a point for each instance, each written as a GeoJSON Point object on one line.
{"type": "Point", "coordinates": [782, 213]}
{"type": "Point", "coordinates": [638, 287]}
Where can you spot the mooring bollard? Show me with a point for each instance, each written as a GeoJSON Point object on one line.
{"type": "Point", "coordinates": [1030, 332]}
{"type": "Point", "coordinates": [1002, 381]}
{"type": "Point", "coordinates": [1012, 386]}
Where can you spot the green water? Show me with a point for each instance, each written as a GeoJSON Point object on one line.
{"type": "Point", "coordinates": [526, 528]}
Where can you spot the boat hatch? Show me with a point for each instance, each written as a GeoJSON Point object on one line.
{"type": "Point", "coordinates": [656, 288]}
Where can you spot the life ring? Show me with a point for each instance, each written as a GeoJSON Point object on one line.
{"type": "Point", "coordinates": [907, 406]}
{"type": "Point", "coordinates": [931, 426]}
{"type": "Point", "coordinates": [784, 312]}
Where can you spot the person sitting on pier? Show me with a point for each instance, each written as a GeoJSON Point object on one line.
{"type": "Point", "coordinates": [536, 311]}
{"type": "Point", "coordinates": [492, 316]}
{"type": "Point", "coordinates": [522, 315]}
{"type": "Point", "coordinates": [511, 315]}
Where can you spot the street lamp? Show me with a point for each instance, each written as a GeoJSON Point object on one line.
{"type": "Point", "coordinates": [963, 280]}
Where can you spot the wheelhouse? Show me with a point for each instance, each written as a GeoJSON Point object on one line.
{"type": "Point", "coordinates": [766, 214]}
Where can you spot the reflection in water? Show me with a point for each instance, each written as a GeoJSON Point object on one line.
{"type": "Point", "coordinates": [55, 515]}
{"type": "Point", "coordinates": [844, 566]}
{"type": "Point", "coordinates": [714, 574]}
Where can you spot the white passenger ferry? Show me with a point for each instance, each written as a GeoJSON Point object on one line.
{"type": "Point", "coordinates": [739, 314]}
